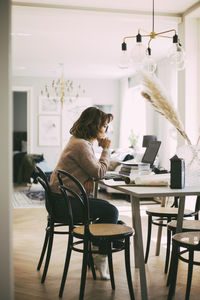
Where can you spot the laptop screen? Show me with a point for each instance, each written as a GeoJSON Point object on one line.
{"type": "Point", "coordinates": [151, 152]}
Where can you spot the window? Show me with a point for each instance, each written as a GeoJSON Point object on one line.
{"type": "Point", "coordinates": [133, 116]}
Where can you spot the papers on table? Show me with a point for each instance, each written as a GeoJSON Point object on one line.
{"type": "Point", "coordinates": [144, 180]}
{"type": "Point", "coordinates": [111, 182]}
{"type": "Point", "coordinates": [159, 179]}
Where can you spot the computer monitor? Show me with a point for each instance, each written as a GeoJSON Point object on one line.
{"type": "Point", "coordinates": [151, 152]}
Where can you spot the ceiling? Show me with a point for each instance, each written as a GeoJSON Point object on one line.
{"type": "Point", "coordinates": [86, 35]}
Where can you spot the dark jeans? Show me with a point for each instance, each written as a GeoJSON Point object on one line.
{"type": "Point", "coordinates": [100, 209]}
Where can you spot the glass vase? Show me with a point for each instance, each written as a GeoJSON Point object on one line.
{"type": "Point", "coordinates": [191, 155]}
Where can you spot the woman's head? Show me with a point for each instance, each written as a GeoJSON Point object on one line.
{"type": "Point", "coordinates": [90, 123]}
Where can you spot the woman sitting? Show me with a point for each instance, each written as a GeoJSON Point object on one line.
{"type": "Point", "coordinates": [78, 159]}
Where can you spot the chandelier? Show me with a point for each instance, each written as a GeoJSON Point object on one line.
{"type": "Point", "coordinates": [141, 55]}
{"type": "Point", "coordinates": [61, 90]}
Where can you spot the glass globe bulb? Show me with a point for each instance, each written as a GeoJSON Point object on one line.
{"type": "Point", "coordinates": [137, 53]}
{"type": "Point", "coordinates": [181, 65]}
{"type": "Point", "coordinates": [149, 64]}
{"type": "Point", "coordinates": [124, 60]}
{"type": "Point", "coordinates": [176, 54]}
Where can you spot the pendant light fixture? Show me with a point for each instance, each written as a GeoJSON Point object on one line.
{"type": "Point", "coordinates": [62, 90]}
{"type": "Point", "coordinates": [140, 56]}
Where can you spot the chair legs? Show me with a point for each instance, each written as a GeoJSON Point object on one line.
{"type": "Point", "coordinates": [87, 260]}
{"type": "Point", "coordinates": [171, 281]}
{"type": "Point", "coordinates": [43, 249]}
{"type": "Point", "coordinates": [91, 264]}
{"type": "Point", "coordinates": [110, 264]}
{"type": "Point", "coordinates": [84, 270]}
{"type": "Point", "coordinates": [148, 238]}
{"type": "Point", "coordinates": [167, 250]}
{"type": "Point", "coordinates": [66, 266]}
{"type": "Point", "coordinates": [189, 277]}
{"type": "Point", "coordinates": [128, 268]}
{"type": "Point", "coordinates": [168, 247]}
{"type": "Point", "coordinates": [149, 241]}
{"type": "Point", "coordinates": [50, 243]}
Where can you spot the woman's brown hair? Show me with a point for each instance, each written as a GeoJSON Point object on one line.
{"type": "Point", "coordinates": [89, 123]}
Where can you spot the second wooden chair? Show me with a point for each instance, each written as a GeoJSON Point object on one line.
{"type": "Point", "coordinates": [183, 243]}
{"type": "Point", "coordinates": [161, 216]}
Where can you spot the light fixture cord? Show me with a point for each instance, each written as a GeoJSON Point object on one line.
{"type": "Point", "coordinates": [153, 18]}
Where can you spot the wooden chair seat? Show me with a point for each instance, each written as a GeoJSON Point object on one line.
{"type": "Point", "coordinates": [166, 211]}
{"type": "Point", "coordinates": [187, 239]}
{"type": "Point", "coordinates": [188, 225]}
{"type": "Point", "coordinates": [105, 230]}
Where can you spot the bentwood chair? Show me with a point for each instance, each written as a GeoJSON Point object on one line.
{"type": "Point", "coordinates": [187, 226]}
{"type": "Point", "coordinates": [183, 243]}
{"type": "Point", "coordinates": [93, 233]}
{"type": "Point", "coordinates": [161, 216]}
{"type": "Point", "coordinates": [53, 222]}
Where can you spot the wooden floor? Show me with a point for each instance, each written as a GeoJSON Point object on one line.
{"type": "Point", "coordinates": [29, 230]}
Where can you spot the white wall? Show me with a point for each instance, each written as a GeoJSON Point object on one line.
{"type": "Point", "coordinates": [6, 274]}
{"type": "Point", "coordinates": [192, 80]}
{"type": "Point", "coordinates": [166, 132]}
{"type": "Point", "coordinates": [102, 92]}
{"type": "Point", "coordinates": [198, 65]}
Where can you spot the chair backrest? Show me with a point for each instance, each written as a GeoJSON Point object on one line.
{"type": "Point", "coordinates": [82, 196]}
{"type": "Point", "coordinates": [48, 197]}
{"type": "Point", "coordinates": [43, 180]}
{"type": "Point", "coordinates": [38, 172]}
{"type": "Point", "coordinates": [197, 205]}
{"type": "Point", "coordinates": [65, 193]}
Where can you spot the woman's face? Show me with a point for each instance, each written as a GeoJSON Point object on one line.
{"type": "Point", "coordinates": [102, 131]}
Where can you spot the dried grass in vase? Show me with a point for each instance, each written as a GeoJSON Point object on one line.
{"type": "Point", "coordinates": [154, 93]}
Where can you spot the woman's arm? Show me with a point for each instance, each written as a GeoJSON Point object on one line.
{"type": "Point", "coordinates": [87, 160]}
{"type": "Point", "coordinates": [89, 186]}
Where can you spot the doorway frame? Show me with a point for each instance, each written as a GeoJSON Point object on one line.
{"type": "Point", "coordinates": [29, 91]}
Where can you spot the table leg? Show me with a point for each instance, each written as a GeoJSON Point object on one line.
{"type": "Point", "coordinates": [159, 234]}
{"type": "Point", "coordinates": [180, 214]}
{"type": "Point", "coordinates": [138, 246]}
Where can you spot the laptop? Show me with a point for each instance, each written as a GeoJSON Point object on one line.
{"type": "Point", "coordinates": [151, 152]}
{"type": "Point", "coordinates": [149, 155]}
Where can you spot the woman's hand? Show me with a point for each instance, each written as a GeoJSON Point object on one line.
{"type": "Point", "coordinates": [89, 186]}
{"type": "Point", "coordinates": [104, 143]}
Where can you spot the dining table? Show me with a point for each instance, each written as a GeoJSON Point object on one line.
{"type": "Point", "coordinates": [137, 193]}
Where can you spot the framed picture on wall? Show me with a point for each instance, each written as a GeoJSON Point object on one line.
{"type": "Point", "coordinates": [49, 130]}
{"type": "Point", "coordinates": [49, 105]}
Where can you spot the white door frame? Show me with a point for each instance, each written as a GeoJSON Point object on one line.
{"type": "Point", "coordinates": [29, 91]}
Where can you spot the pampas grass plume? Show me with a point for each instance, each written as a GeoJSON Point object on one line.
{"type": "Point", "coordinates": [154, 93]}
